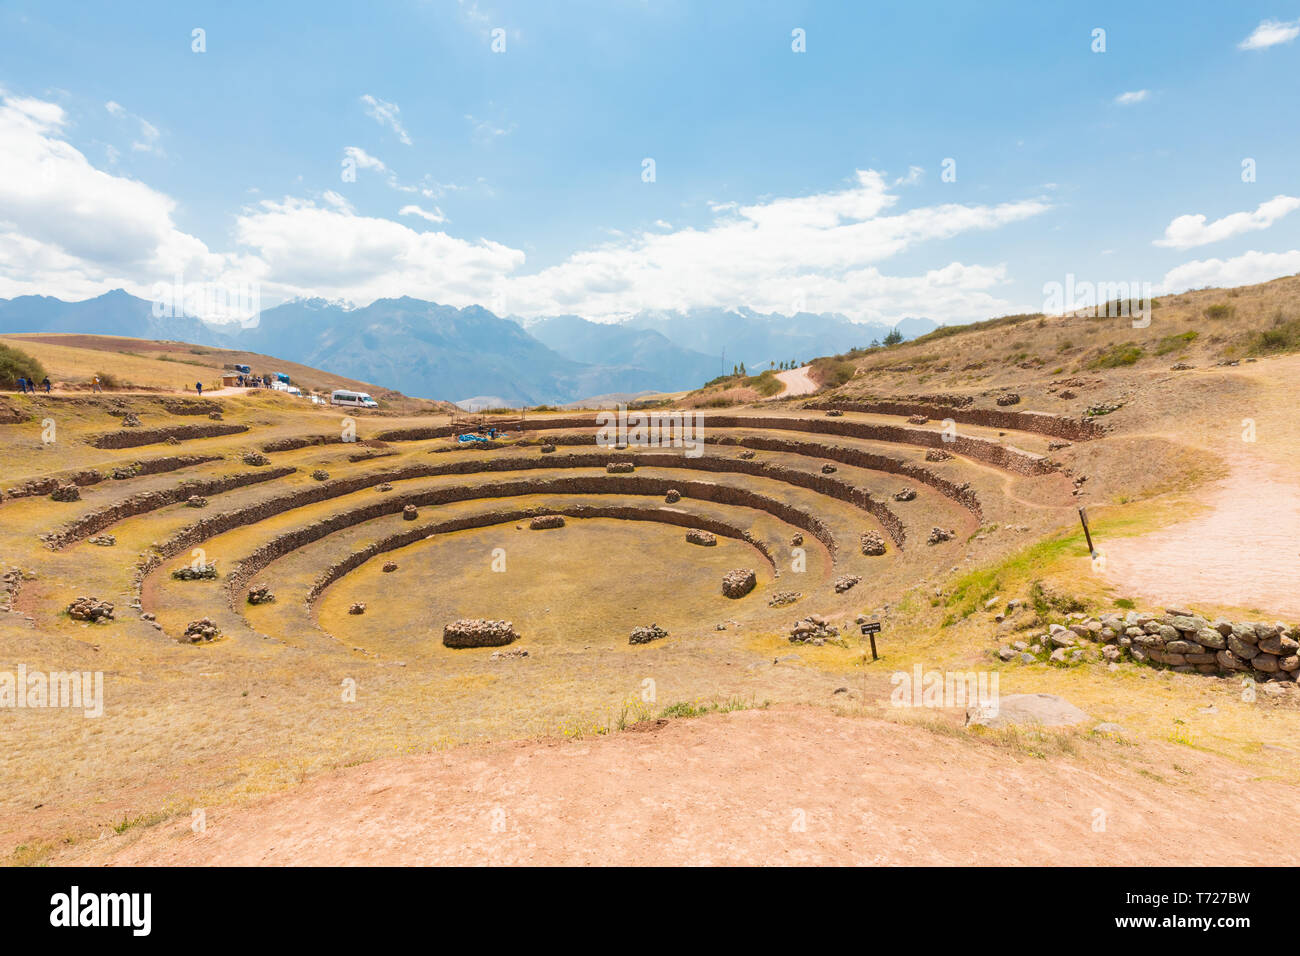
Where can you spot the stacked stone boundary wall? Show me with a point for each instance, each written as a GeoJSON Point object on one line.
{"type": "Point", "coordinates": [134, 437]}
{"type": "Point", "coordinates": [86, 477]}
{"type": "Point", "coordinates": [1042, 423]}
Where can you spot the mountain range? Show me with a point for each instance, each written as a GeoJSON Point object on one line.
{"type": "Point", "coordinates": [473, 357]}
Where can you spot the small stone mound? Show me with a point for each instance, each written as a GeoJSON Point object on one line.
{"type": "Point", "coordinates": [644, 635]}
{"type": "Point", "coordinates": [390, 567]}
{"type": "Point", "coordinates": [130, 420]}
{"type": "Point", "coordinates": [828, 469]}
{"type": "Point", "coordinates": [917, 420]}
{"type": "Point", "coordinates": [215, 416]}
{"type": "Point", "coordinates": [834, 413]}
{"type": "Point", "coordinates": [705, 538]}
{"type": "Point", "coordinates": [410, 513]}
{"type": "Point", "coordinates": [103, 540]}
{"type": "Point", "coordinates": [739, 582]}
{"type": "Point", "coordinates": [256, 458]}
{"type": "Point", "coordinates": [123, 472]}
{"type": "Point", "coordinates": [90, 609]}
{"type": "Point", "coordinates": [202, 631]}
{"type": "Point", "coordinates": [873, 545]}
{"type": "Point", "coordinates": [783, 598]}
{"type": "Point", "coordinates": [542, 522]}
{"type": "Point", "coordinates": [845, 583]}
{"type": "Point", "coordinates": [937, 454]}
{"type": "Point", "coordinates": [1010, 398]}
{"type": "Point", "coordinates": [66, 493]}
{"type": "Point", "coordinates": [196, 501]}
{"type": "Point", "coordinates": [673, 496]}
{"type": "Point", "coordinates": [796, 539]}
{"type": "Point", "coordinates": [320, 474]}
{"type": "Point", "coordinates": [383, 486]}
{"type": "Point", "coordinates": [358, 608]}
{"type": "Point", "coordinates": [260, 594]}
{"type": "Point", "coordinates": [547, 449]}
{"type": "Point", "coordinates": [814, 629]}
{"type": "Point", "coordinates": [747, 454]}
{"type": "Point", "coordinates": [477, 632]}
{"type": "Point", "coordinates": [513, 654]}
{"type": "Point", "coordinates": [906, 494]}
{"type": "Point", "coordinates": [940, 535]}
{"type": "Point", "coordinates": [620, 468]}
{"type": "Point", "coordinates": [199, 572]}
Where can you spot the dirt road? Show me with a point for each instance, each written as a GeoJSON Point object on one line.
{"type": "Point", "coordinates": [797, 382]}
{"type": "Point", "coordinates": [780, 786]}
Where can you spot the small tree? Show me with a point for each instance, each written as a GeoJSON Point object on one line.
{"type": "Point", "coordinates": [894, 336]}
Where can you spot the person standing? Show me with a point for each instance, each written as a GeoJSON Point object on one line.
{"type": "Point", "coordinates": [95, 384]}
{"type": "Point", "coordinates": [22, 385]}
{"type": "Point", "coordinates": [46, 383]}
{"type": "Point", "coordinates": [198, 387]}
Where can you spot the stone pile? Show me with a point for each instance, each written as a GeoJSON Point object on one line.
{"type": "Point", "coordinates": [477, 632]}
{"type": "Point", "coordinates": [358, 608]}
{"type": "Point", "coordinates": [410, 513]}
{"type": "Point", "coordinates": [747, 454]}
{"type": "Point", "coordinates": [782, 598]}
{"type": "Point", "coordinates": [201, 631]}
{"type": "Point", "coordinates": [673, 496]}
{"type": "Point", "coordinates": [260, 594]}
{"type": "Point", "coordinates": [705, 538]}
{"type": "Point", "coordinates": [130, 420]}
{"type": "Point", "coordinates": [917, 420]}
{"type": "Point", "coordinates": [196, 501]}
{"type": "Point", "coordinates": [834, 413]}
{"type": "Point", "coordinates": [66, 493]}
{"type": "Point", "coordinates": [906, 494]}
{"type": "Point", "coordinates": [1010, 398]}
{"type": "Point", "coordinates": [828, 469]}
{"type": "Point", "coordinates": [644, 635]}
{"type": "Point", "coordinates": [738, 582]}
{"type": "Point", "coordinates": [256, 458]}
{"type": "Point", "coordinates": [937, 454]}
{"type": "Point", "coordinates": [90, 609]}
{"type": "Point", "coordinates": [873, 545]}
{"type": "Point", "coordinates": [814, 629]}
{"type": "Point", "coordinates": [390, 567]}
{"type": "Point", "coordinates": [940, 535]}
{"type": "Point", "coordinates": [320, 474]}
{"type": "Point", "coordinates": [196, 572]}
{"type": "Point", "coordinates": [845, 583]}
{"type": "Point", "coordinates": [547, 449]}
{"type": "Point", "coordinates": [542, 522]}
{"type": "Point", "coordinates": [620, 468]}
{"type": "Point", "coordinates": [103, 540]}
{"type": "Point", "coordinates": [383, 486]}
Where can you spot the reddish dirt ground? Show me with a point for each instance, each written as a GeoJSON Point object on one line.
{"type": "Point", "coordinates": [780, 786]}
{"type": "Point", "coordinates": [797, 382]}
{"type": "Point", "coordinates": [1244, 551]}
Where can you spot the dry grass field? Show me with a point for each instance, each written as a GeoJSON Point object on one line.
{"type": "Point", "coordinates": [302, 711]}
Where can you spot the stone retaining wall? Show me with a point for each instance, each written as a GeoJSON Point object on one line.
{"type": "Point", "coordinates": [1042, 423]}
{"type": "Point", "coordinates": [150, 466]}
{"type": "Point", "coordinates": [131, 438]}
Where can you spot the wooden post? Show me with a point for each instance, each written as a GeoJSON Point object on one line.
{"type": "Point", "coordinates": [1083, 518]}
{"type": "Point", "coordinates": [870, 630]}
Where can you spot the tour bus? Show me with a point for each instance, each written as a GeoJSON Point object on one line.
{"type": "Point", "coordinates": [355, 399]}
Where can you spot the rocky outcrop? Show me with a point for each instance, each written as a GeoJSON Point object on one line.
{"type": "Point", "coordinates": [103, 540]}
{"type": "Point", "coordinates": [738, 582]}
{"type": "Point", "coordinates": [783, 598]}
{"type": "Point", "coordinates": [696, 536]}
{"type": "Point", "coordinates": [940, 535]}
{"type": "Point", "coordinates": [478, 632]}
{"type": "Point", "coordinates": [1010, 398]}
{"type": "Point", "coordinates": [905, 494]}
{"type": "Point", "coordinates": [814, 629]}
{"type": "Point", "coordinates": [846, 583]}
{"type": "Point", "coordinates": [937, 454]}
{"type": "Point", "coordinates": [66, 493]}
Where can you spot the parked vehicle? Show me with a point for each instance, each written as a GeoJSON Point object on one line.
{"type": "Point", "coordinates": [354, 399]}
{"type": "Point", "coordinates": [281, 377]}
{"type": "Point", "coordinates": [243, 370]}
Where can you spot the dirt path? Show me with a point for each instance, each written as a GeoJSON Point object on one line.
{"type": "Point", "coordinates": [797, 382]}
{"type": "Point", "coordinates": [783, 786]}
{"type": "Point", "coordinates": [1244, 551]}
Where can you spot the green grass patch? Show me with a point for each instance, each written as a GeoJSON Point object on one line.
{"type": "Point", "coordinates": [1173, 343]}
{"type": "Point", "coordinates": [1117, 356]}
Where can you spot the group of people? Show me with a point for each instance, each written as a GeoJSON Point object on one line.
{"type": "Point", "coordinates": [29, 387]}
{"type": "Point", "coordinates": [254, 381]}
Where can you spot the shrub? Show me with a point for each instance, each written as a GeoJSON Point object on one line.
{"type": "Point", "coordinates": [108, 380]}
{"type": "Point", "coordinates": [1220, 310]}
{"type": "Point", "coordinates": [16, 364]}
{"type": "Point", "coordinates": [831, 372]}
{"type": "Point", "coordinates": [1116, 356]}
{"type": "Point", "coordinates": [1283, 336]}
{"type": "Point", "coordinates": [766, 383]}
{"type": "Point", "coordinates": [1172, 343]}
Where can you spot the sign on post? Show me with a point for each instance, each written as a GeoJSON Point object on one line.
{"type": "Point", "coordinates": [871, 629]}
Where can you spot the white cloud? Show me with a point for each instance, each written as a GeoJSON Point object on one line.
{"type": "Point", "coordinates": [436, 216]}
{"type": "Point", "coordinates": [386, 114]}
{"type": "Point", "coordinates": [1245, 269]}
{"type": "Point", "coordinates": [148, 135]}
{"type": "Point", "coordinates": [364, 160]}
{"type": "Point", "coordinates": [1185, 232]}
{"type": "Point", "coordinates": [1133, 96]}
{"type": "Point", "coordinates": [914, 176]}
{"type": "Point", "coordinates": [486, 130]}
{"type": "Point", "coordinates": [1270, 33]}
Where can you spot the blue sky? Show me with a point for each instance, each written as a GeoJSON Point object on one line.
{"type": "Point", "coordinates": [514, 179]}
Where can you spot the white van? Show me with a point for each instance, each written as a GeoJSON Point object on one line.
{"type": "Point", "coordinates": [355, 399]}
